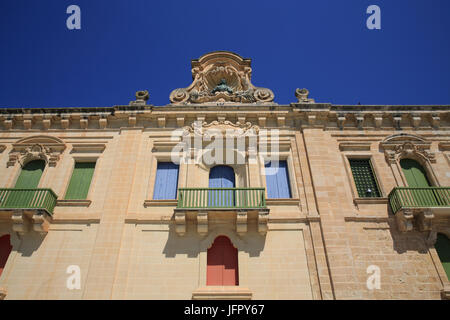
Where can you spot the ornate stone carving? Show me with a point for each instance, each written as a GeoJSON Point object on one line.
{"type": "Point", "coordinates": [263, 218]}
{"type": "Point", "coordinates": [141, 98]}
{"type": "Point", "coordinates": [241, 222]}
{"type": "Point", "coordinates": [204, 129]}
{"type": "Point", "coordinates": [407, 146]}
{"type": "Point", "coordinates": [409, 149]}
{"type": "Point", "coordinates": [221, 77]}
{"type": "Point", "coordinates": [302, 96]}
{"type": "Point", "coordinates": [180, 222]}
{"type": "Point", "coordinates": [424, 220]}
{"type": "Point", "coordinates": [404, 220]}
{"type": "Point", "coordinates": [44, 148]}
{"type": "Point", "coordinates": [202, 222]}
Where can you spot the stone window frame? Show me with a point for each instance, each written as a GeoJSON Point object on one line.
{"type": "Point", "coordinates": [415, 148]}
{"type": "Point", "coordinates": [80, 202]}
{"type": "Point", "coordinates": [17, 169]}
{"type": "Point", "coordinates": [163, 157]}
{"type": "Point", "coordinates": [282, 156]}
{"type": "Point", "coordinates": [347, 156]}
{"type": "Point", "coordinates": [237, 242]}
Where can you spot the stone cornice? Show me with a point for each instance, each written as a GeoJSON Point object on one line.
{"type": "Point", "coordinates": [295, 115]}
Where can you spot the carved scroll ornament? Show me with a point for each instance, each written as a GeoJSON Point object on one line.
{"type": "Point", "coordinates": [221, 77]}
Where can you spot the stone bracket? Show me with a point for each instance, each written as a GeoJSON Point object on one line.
{"type": "Point", "coordinates": [424, 220]}
{"type": "Point", "coordinates": [404, 219]}
{"type": "Point", "coordinates": [202, 222]}
{"type": "Point", "coordinates": [422, 217]}
{"type": "Point", "coordinates": [201, 217]}
{"type": "Point", "coordinates": [25, 220]}
{"type": "Point", "coordinates": [241, 222]}
{"type": "Point", "coordinates": [263, 218]}
{"type": "Point", "coordinates": [180, 222]}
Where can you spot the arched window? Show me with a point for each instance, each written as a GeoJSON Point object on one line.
{"type": "Point", "coordinates": [5, 250]}
{"type": "Point", "coordinates": [221, 177]}
{"type": "Point", "coordinates": [415, 174]}
{"type": "Point", "coordinates": [30, 175]}
{"type": "Point", "coordinates": [222, 263]}
{"type": "Point", "coordinates": [443, 249]}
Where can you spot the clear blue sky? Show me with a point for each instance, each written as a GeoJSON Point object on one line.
{"type": "Point", "coordinates": [129, 45]}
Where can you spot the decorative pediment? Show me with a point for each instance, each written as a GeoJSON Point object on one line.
{"type": "Point", "coordinates": [44, 148]}
{"type": "Point", "coordinates": [406, 146]}
{"type": "Point", "coordinates": [221, 76]}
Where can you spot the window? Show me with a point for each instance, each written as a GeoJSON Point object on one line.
{"type": "Point", "coordinates": [443, 249]}
{"type": "Point", "coordinates": [166, 181]}
{"type": "Point", "coordinates": [221, 177]}
{"type": "Point", "coordinates": [414, 173]}
{"type": "Point", "coordinates": [5, 250]}
{"type": "Point", "coordinates": [277, 180]}
{"type": "Point", "coordinates": [222, 263]}
{"type": "Point", "coordinates": [30, 175]}
{"type": "Point", "coordinates": [364, 177]}
{"type": "Point", "coordinates": [80, 181]}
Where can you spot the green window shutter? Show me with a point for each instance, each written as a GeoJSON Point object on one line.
{"type": "Point", "coordinates": [30, 175]}
{"type": "Point", "coordinates": [414, 173]}
{"type": "Point", "coordinates": [443, 249]}
{"type": "Point", "coordinates": [364, 177]}
{"type": "Point", "coordinates": [80, 181]}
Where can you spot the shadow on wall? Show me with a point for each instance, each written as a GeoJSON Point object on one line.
{"type": "Point", "coordinates": [191, 243]}
{"type": "Point", "coordinates": [408, 241]}
{"type": "Point", "coordinates": [30, 242]}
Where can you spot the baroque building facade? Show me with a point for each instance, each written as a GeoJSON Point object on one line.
{"type": "Point", "coordinates": [301, 201]}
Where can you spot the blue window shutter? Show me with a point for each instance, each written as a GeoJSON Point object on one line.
{"type": "Point", "coordinates": [271, 183]}
{"type": "Point", "coordinates": [278, 186]}
{"type": "Point", "coordinates": [166, 182]}
{"type": "Point", "coordinates": [221, 177]}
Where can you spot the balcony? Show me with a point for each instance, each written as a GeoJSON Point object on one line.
{"type": "Point", "coordinates": [197, 203]}
{"type": "Point", "coordinates": [419, 204]}
{"type": "Point", "coordinates": [221, 198]}
{"type": "Point", "coordinates": [28, 206]}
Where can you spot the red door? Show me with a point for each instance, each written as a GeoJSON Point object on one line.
{"type": "Point", "coordinates": [5, 250]}
{"type": "Point", "coordinates": [222, 263]}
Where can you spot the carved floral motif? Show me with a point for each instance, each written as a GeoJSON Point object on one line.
{"type": "Point", "coordinates": [205, 129]}
{"type": "Point", "coordinates": [407, 146]}
{"type": "Point", "coordinates": [44, 148]}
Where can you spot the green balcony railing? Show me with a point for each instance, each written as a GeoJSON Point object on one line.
{"type": "Point", "coordinates": [430, 197]}
{"type": "Point", "coordinates": [44, 199]}
{"type": "Point", "coordinates": [217, 198]}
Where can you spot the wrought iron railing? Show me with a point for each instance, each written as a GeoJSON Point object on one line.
{"type": "Point", "coordinates": [405, 197]}
{"type": "Point", "coordinates": [44, 199]}
{"type": "Point", "coordinates": [217, 198]}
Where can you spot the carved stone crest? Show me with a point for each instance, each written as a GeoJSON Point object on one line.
{"type": "Point", "coordinates": [221, 76]}
{"type": "Point", "coordinates": [407, 146]}
{"type": "Point", "coordinates": [302, 96]}
{"type": "Point", "coordinates": [44, 148]}
{"type": "Point", "coordinates": [223, 127]}
{"type": "Point", "coordinates": [141, 98]}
